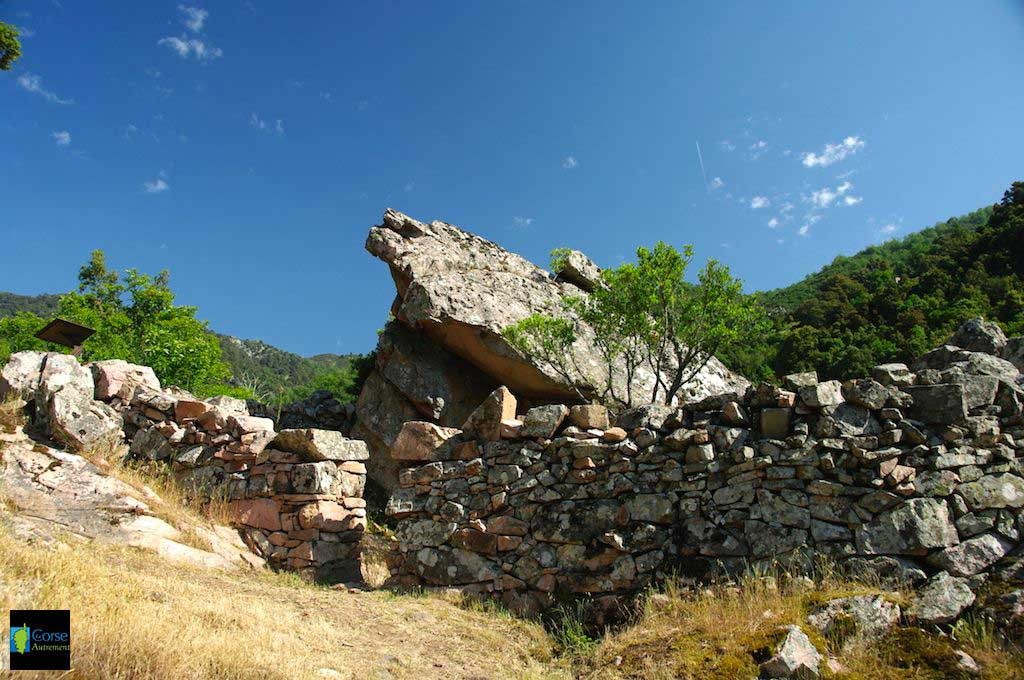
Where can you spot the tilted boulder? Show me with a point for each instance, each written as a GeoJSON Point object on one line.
{"type": "Point", "coordinates": [65, 407]}
{"type": "Point", "coordinates": [20, 375]}
{"type": "Point", "coordinates": [462, 291]}
{"type": "Point", "coordinates": [320, 444]}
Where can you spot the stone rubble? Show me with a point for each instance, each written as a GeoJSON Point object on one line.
{"type": "Point", "coordinates": [890, 476]}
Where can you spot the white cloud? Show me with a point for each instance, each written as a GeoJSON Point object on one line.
{"type": "Point", "coordinates": [804, 229]}
{"type": "Point", "coordinates": [889, 228]}
{"type": "Point", "coordinates": [716, 183]}
{"type": "Point", "coordinates": [833, 153]}
{"type": "Point", "coordinates": [195, 17]}
{"type": "Point", "coordinates": [852, 200]}
{"type": "Point", "coordinates": [522, 221]}
{"type": "Point", "coordinates": [129, 132]}
{"type": "Point", "coordinates": [157, 186]}
{"type": "Point", "coordinates": [257, 122]}
{"type": "Point", "coordinates": [758, 149]}
{"type": "Point", "coordinates": [823, 198]}
{"type": "Point", "coordinates": [786, 207]}
{"type": "Point", "coordinates": [409, 186]}
{"type": "Point", "coordinates": [844, 187]}
{"type": "Point", "coordinates": [62, 137]}
{"type": "Point", "coordinates": [570, 162]}
{"type": "Point", "coordinates": [773, 222]}
{"type": "Point", "coordinates": [186, 47]}
{"type": "Point", "coordinates": [327, 97]}
{"type": "Point", "coordinates": [34, 84]}
{"type": "Point", "coordinates": [279, 126]}
{"type": "Point", "coordinates": [727, 145]}
{"type": "Point", "coordinates": [758, 202]}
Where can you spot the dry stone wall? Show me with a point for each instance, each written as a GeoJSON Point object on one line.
{"type": "Point", "coordinates": [296, 495]}
{"type": "Point", "coordinates": [916, 475]}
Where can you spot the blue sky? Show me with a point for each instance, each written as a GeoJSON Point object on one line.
{"type": "Point", "coordinates": [248, 146]}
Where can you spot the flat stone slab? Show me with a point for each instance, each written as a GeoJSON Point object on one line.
{"type": "Point", "coordinates": [320, 444]}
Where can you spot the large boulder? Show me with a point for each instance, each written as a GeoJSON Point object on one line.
{"type": "Point", "coordinates": [118, 378]}
{"type": "Point", "coordinates": [65, 408]}
{"type": "Point", "coordinates": [978, 335]}
{"type": "Point", "coordinates": [462, 291]}
{"type": "Point", "coordinates": [911, 528]}
{"type": "Point", "coordinates": [20, 375]}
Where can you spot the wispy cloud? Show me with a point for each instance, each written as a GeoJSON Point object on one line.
{"type": "Point", "coordinates": [833, 153]}
{"type": "Point", "coordinates": [327, 97]}
{"type": "Point", "coordinates": [758, 149]}
{"type": "Point", "coordinates": [130, 131]}
{"type": "Point", "coordinates": [888, 229]}
{"type": "Point", "coordinates": [773, 222]}
{"type": "Point", "coordinates": [726, 145]}
{"type": "Point", "coordinates": [409, 186]}
{"type": "Point", "coordinates": [522, 221]}
{"type": "Point", "coordinates": [61, 138]}
{"type": "Point", "coordinates": [570, 162]}
{"type": "Point", "coordinates": [716, 183]}
{"type": "Point", "coordinates": [34, 84]}
{"type": "Point", "coordinates": [825, 197]}
{"type": "Point", "coordinates": [852, 200]}
{"type": "Point", "coordinates": [158, 185]}
{"type": "Point", "coordinates": [186, 47]}
{"type": "Point", "coordinates": [758, 202]}
{"type": "Point", "coordinates": [194, 18]}
{"type": "Point", "coordinates": [261, 124]}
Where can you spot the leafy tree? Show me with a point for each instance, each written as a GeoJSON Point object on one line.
{"type": "Point", "coordinates": [10, 46]}
{"type": "Point", "coordinates": [646, 313]}
{"type": "Point", "coordinates": [135, 319]}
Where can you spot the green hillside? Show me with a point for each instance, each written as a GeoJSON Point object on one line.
{"type": "Point", "coordinates": [893, 301]}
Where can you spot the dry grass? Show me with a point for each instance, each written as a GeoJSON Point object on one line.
{"type": "Point", "coordinates": [137, 616]}
{"type": "Point", "coordinates": [723, 632]}
{"type": "Point", "coordinates": [168, 500]}
{"type": "Point", "coordinates": [12, 414]}
{"type": "Point", "coordinates": [376, 544]}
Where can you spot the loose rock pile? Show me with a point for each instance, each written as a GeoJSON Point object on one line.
{"type": "Point", "coordinates": [296, 494]}
{"type": "Point", "coordinates": [914, 475]}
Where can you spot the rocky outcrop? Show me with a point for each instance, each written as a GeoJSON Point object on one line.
{"type": "Point", "coordinates": [51, 494]}
{"type": "Point", "coordinates": [296, 495]}
{"type": "Point", "coordinates": [445, 352]}
{"type": "Point", "coordinates": [880, 476]}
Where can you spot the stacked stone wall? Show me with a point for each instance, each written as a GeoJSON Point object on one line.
{"type": "Point", "coordinates": [917, 475]}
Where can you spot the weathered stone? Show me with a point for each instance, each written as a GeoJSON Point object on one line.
{"type": "Point", "coordinates": [262, 513]}
{"type": "Point", "coordinates": [866, 392]}
{"type": "Point", "coordinates": [613, 435]}
{"type": "Point", "coordinates": [775, 422]}
{"type": "Point", "coordinates": [971, 556]}
{"type": "Point", "coordinates": [544, 421]}
{"type": "Point", "coordinates": [978, 335]}
{"type": "Point", "coordinates": [118, 378]}
{"type": "Point", "coordinates": [828, 393]}
{"type": "Point", "coordinates": [485, 422]}
{"type": "Point", "coordinates": [938, 403]}
{"type": "Point", "coordinates": [316, 478]}
{"type": "Point", "coordinates": [20, 375]}
{"type": "Point", "coordinates": [579, 270]}
{"type": "Point", "coordinates": [454, 566]}
{"type": "Point", "coordinates": [799, 381]}
{"type": "Point", "coordinates": [941, 600]}
{"type": "Point", "coordinates": [893, 374]}
{"type": "Point", "coordinates": [872, 615]}
{"type": "Point", "coordinates": [911, 528]}
{"type": "Point", "coordinates": [232, 405]}
{"type": "Point", "coordinates": [795, 657]}
{"type": "Point", "coordinates": [463, 292]}
{"type": "Point", "coordinates": [422, 441]}
{"type": "Point", "coordinates": [316, 445]}
{"type": "Point", "coordinates": [1012, 352]}
{"type": "Point", "coordinates": [425, 532]}
{"type": "Point", "coordinates": [589, 416]}
{"type": "Point", "coordinates": [994, 491]}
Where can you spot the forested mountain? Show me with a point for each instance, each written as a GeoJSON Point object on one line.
{"type": "Point", "coordinates": [41, 305]}
{"type": "Point", "coordinates": [893, 301]}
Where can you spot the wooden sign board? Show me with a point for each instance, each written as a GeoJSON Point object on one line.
{"type": "Point", "coordinates": [63, 332]}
